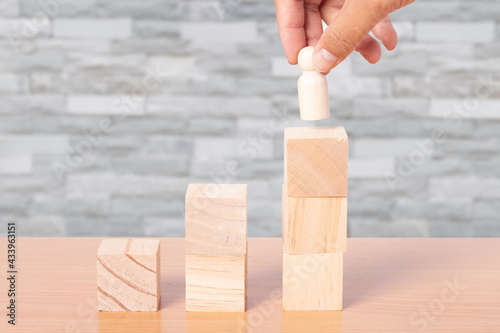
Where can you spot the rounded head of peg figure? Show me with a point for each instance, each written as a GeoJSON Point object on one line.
{"type": "Point", "coordinates": [306, 58]}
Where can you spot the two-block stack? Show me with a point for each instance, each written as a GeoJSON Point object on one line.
{"type": "Point", "coordinates": [216, 247]}
{"type": "Point", "coordinates": [314, 217]}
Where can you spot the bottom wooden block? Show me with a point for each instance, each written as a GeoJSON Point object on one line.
{"type": "Point", "coordinates": [128, 275]}
{"type": "Point", "coordinates": [216, 283]}
{"type": "Point", "coordinates": [312, 281]}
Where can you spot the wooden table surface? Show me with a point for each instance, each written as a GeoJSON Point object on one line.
{"type": "Point", "coordinates": [390, 285]}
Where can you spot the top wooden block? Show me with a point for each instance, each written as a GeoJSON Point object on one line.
{"type": "Point", "coordinates": [216, 219]}
{"type": "Point", "coordinates": [316, 161]}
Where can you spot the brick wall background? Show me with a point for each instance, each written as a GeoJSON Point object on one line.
{"type": "Point", "coordinates": [186, 91]}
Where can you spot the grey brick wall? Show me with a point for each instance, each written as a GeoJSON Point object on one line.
{"type": "Point", "coordinates": [108, 109]}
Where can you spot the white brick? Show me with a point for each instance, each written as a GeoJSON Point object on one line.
{"type": "Point", "coordinates": [24, 29]}
{"type": "Point", "coordinates": [477, 32]}
{"type": "Point", "coordinates": [351, 87]}
{"type": "Point", "coordinates": [173, 66]}
{"type": "Point", "coordinates": [447, 49]}
{"type": "Point", "coordinates": [41, 226]}
{"type": "Point", "coordinates": [377, 107]}
{"type": "Point", "coordinates": [381, 148]}
{"type": "Point", "coordinates": [75, 45]}
{"type": "Point", "coordinates": [366, 227]}
{"type": "Point", "coordinates": [15, 164]}
{"type": "Point", "coordinates": [9, 7]}
{"type": "Point", "coordinates": [10, 84]}
{"type": "Point", "coordinates": [106, 105]}
{"type": "Point", "coordinates": [96, 204]}
{"type": "Point", "coordinates": [128, 185]}
{"type": "Point", "coordinates": [281, 68]}
{"type": "Point", "coordinates": [228, 32]}
{"type": "Point", "coordinates": [39, 102]}
{"type": "Point", "coordinates": [239, 148]}
{"type": "Point", "coordinates": [446, 66]}
{"type": "Point", "coordinates": [187, 106]}
{"type": "Point", "coordinates": [105, 63]}
{"type": "Point", "coordinates": [119, 28]}
{"type": "Point", "coordinates": [459, 187]}
{"type": "Point", "coordinates": [371, 168]}
{"type": "Point", "coordinates": [23, 144]}
{"type": "Point", "coordinates": [163, 227]}
{"type": "Point", "coordinates": [486, 109]}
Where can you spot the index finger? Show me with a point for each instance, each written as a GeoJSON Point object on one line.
{"type": "Point", "coordinates": [291, 20]}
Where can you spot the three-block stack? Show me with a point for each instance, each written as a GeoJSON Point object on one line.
{"type": "Point", "coordinates": [314, 217]}
{"type": "Point", "coordinates": [216, 247]}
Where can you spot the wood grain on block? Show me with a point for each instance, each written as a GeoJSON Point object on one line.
{"type": "Point", "coordinates": [315, 225]}
{"type": "Point", "coordinates": [216, 219]}
{"type": "Point", "coordinates": [316, 161]}
{"type": "Point", "coordinates": [312, 281]}
{"type": "Point", "coordinates": [128, 275]}
{"type": "Point", "coordinates": [216, 283]}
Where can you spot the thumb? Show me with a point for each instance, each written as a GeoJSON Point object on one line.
{"type": "Point", "coordinates": [354, 21]}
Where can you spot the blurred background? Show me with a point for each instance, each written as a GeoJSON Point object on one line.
{"type": "Point", "coordinates": [108, 109]}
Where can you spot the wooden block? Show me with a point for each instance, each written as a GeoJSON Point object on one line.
{"type": "Point", "coordinates": [315, 225]}
{"type": "Point", "coordinates": [316, 161]}
{"type": "Point", "coordinates": [216, 283]}
{"type": "Point", "coordinates": [128, 275]}
{"type": "Point", "coordinates": [216, 219]}
{"type": "Point", "coordinates": [312, 281]}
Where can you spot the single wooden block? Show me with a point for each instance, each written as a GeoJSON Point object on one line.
{"type": "Point", "coordinates": [128, 275]}
{"type": "Point", "coordinates": [316, 161]}
{"type": "Point", "coordinates": [315, 225]}
{"type": "Point", "coordinates": [216, 219]}
{"type": "Point", "coordinates": [312, 281]}
{"type": "Point", "coordinates": [216, 283]}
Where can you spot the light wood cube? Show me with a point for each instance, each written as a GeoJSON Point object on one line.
{"type": "Point", "coordinates": [312, 281]}
{"type": "Point", "coordinates": [128, 275]}
{"type": "Point", "coordinates": [216, 219]}
{"type": "Point", "coordinates": [316, 161]}
{"type": "Point", "coordinates": [216, 283]}
{"type": "Point", "coordinates": [315, 225]}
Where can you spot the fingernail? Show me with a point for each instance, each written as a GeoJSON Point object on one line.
{"type": "Point", "coordinates": [324, 60]}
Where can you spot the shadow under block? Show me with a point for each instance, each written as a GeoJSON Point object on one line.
{"type": "Point", "coordinates": [216, 283]}
{"type": "Point", "coordinates": [315, 225]}
{"type": "Point", "coordinates": [316, 161]}
{"type": "Point", "coordinates": [312, 281]}
{"type": "Point", "coordinates": [216, 219]}
{"type": "Point", "coordinates": [128, 275]}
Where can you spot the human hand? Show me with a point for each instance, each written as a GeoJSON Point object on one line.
{"type": "Point", "coordinates": [349, 23]}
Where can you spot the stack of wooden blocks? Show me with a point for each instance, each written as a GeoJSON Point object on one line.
{"type": "Point", "coordinates": [216, 247]}
{"type": "Point", "coordinates": [314, 217]}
